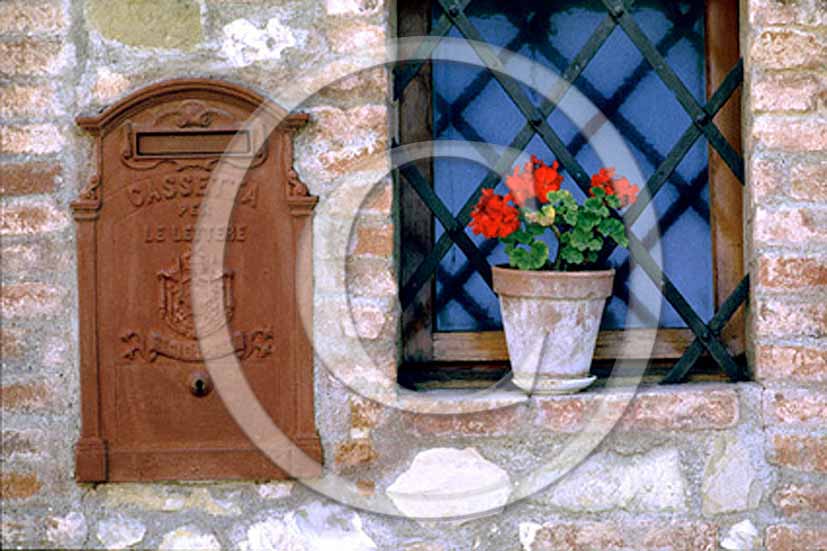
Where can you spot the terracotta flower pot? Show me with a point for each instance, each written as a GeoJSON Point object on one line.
{"type": "Point", "coordinates": [551, 321]}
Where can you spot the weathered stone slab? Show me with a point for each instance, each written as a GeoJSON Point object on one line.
{"type": "Point", "coordinates": [446, 482]}
{"type": "Point", "coordinates": [642, 483]}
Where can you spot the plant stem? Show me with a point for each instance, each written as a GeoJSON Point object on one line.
{"type": "Point", "coordinates": [557, 259]}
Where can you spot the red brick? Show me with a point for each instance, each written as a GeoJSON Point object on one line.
{"type": "Point", "coordinates": [11, 347]}
{"type": "Point", "coordinates": [25, 397]}
{"type": "Point", "coordinates": [18, 485]}
{"type": "Point", "coordinates": [31, 218]}
{"type": "Point", "coordinates": [29, 178]}
{"type": "Point", "coordinates": [353, 35]}
{"type": "Point", "coordinates": [803, 407]}
{"type": "Point", "coordinates": [792, 273]}
{"type": "Point", "coordinates": [17, 101]}
{"type": "Point", "coordinates": [368, 321]}
{"type": "Point", "coordinates": [778, 12]}
{"type": "Point", "coordinates": [794, 499]}
{"type": "Point", "coordinates": [30, 300]}
{"type": "Point", "coordinates": [31, 16]}
{"type": "Point", "coordinates": [795, 538]}
{"type": "Point", "coordinates": [369, 86]}
{"type": "Point", "coordinates": [799, 452]}
{"type": "Point", "coordinates": [370, 277]}
{"type": "Point", "coordinates": [790, 364]}
{"type": "Point", "coordinates": [768, 177]}
{"type": "Point", "coordinates": [374, 241]}
{"type": "Point", "coordinates": [379, 200]}
{"type": "Point", "coordinates": [345, 141]}
{"type": "Point", "coordinates": [793, 226]}
{"type": "Point", "coordinates": [364, 413]}
{"type": "Point", "coordinates": [681, 410]}
{"type": "Point", "coordinates": [788, 48]}
{"type": "Point", "coordinates": [109, 86]}
{"type": "Point", "coordinates": [578, 537]}
{"type": "Point", "coordinates": [569, 414]}
{"type": "Point", "coordinates": [31, 139]}
{"type": "Point", "coordinates": [366, 488]}
{"type": "Point", "coordinates": [613, 536]}
{"type": "Point", "coordinates": [352, 7]}
{"type": "Point", "coordinates": [21, 442]}
{"type": "Point", "coordinates": [355, 453]}
{"type": "Point", "coordinates": [779, 318]}
{"type": "Point", "coordinates": [790, 133]}
{"type": "Point", "coordinates": [809, 181]}
{"type": "Point", "coordinates": [493, 422]}
{"type": "Point", "coordinates": [16, 530]}
{"type": "Point", "coordinates": [38, 256]}
{"type": "Point", "coordinates": [682, 536]}
{"type": "Point", "coordinates": [673, 409]}
{"type": "Point", "coordinates": [30, 57]}
{"type": "Point", "coordinates": [782, 92]}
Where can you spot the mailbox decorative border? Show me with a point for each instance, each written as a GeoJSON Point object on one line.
{"type": "Point", "coordinates": [92, 453]}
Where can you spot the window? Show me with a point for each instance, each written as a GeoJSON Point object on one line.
{"type": "Point", "coordinates": [667, 76]}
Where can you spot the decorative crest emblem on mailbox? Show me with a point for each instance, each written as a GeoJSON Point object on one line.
{"type": "Point", "coordinates": [176, 298]}
{"type": "Point", "coordinates": [176, 309]}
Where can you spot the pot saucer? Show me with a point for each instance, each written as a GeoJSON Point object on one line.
{"type": "Point", "coordinates": [544, 387]}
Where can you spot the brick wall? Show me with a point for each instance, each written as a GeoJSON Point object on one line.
{"type": "Point", "coordinates": [39, 378]}
{"type": "Point", "coordinates": [688, 467]}
{"type": "Point", "coordinates": [786, 136]}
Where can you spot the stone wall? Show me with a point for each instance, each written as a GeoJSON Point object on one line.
{"type": "Point", "coordinates": [690, 467]}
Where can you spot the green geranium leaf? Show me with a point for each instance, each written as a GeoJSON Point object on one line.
{"type": "Point", "coordinates": [588, 220]}
{"type": "Point", "coordinates": [554, 197]}
{"type": "Point", "coordinates": [611, 226]}
{"type": "Point", "coordinates": [580, 238]}
{"type": "Point", "coordinates": [571, 255]}
{"type": "Point", "coordinates": [621, 240]}
{"type": "Point", "coordinates": [516, 258]}
{"type": "Point", "coordinates": [569, 214]}
{"type": "Point", "coordinates": [613, 201]}
{"type": "Point", "coordinates": [533, 258]}
{"type": "Point", "coordinates": [538, 255]}
{"type": "Point", "coordinates": [593, 204]}
{"type": "Point", "coordinates": [522, 236]}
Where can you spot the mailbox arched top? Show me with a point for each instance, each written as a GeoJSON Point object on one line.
{"type": "Point", "coordinates": [183, 89]}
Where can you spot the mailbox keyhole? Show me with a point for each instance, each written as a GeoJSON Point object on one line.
{"type": "Point", "coordinates": [200, 384]}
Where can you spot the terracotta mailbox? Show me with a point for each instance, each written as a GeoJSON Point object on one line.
{"type": "Point", "coordinates": [150, 410]}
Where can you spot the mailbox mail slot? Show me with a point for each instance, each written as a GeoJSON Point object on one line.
{"type": "Point", "coordinates": [184, 144]}
{"type": "Point", "coordinates": [150, 407]}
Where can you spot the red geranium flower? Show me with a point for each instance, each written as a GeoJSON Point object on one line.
{"type": "Point", "coordinates": [546, 179]}
{"type": "Point", "coordinates": [603, 180]}
{"type": "Point", "coordinates": [625, 191]}
{"type": "Point", "coordinates": [535, 181]}
{"type": "Point", "coordinates": [521, 184]}
{"type": "Point", "coordinates": [493, 216]}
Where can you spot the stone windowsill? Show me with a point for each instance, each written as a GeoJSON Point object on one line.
{"type": "Point", "coordinates": [704, 406]}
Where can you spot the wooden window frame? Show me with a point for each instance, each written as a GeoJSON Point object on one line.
{"type": "Point", "coordinates": [421, 344]}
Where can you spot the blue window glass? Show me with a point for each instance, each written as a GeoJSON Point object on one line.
{"type": "Point", "coordinates": [470, 105]}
